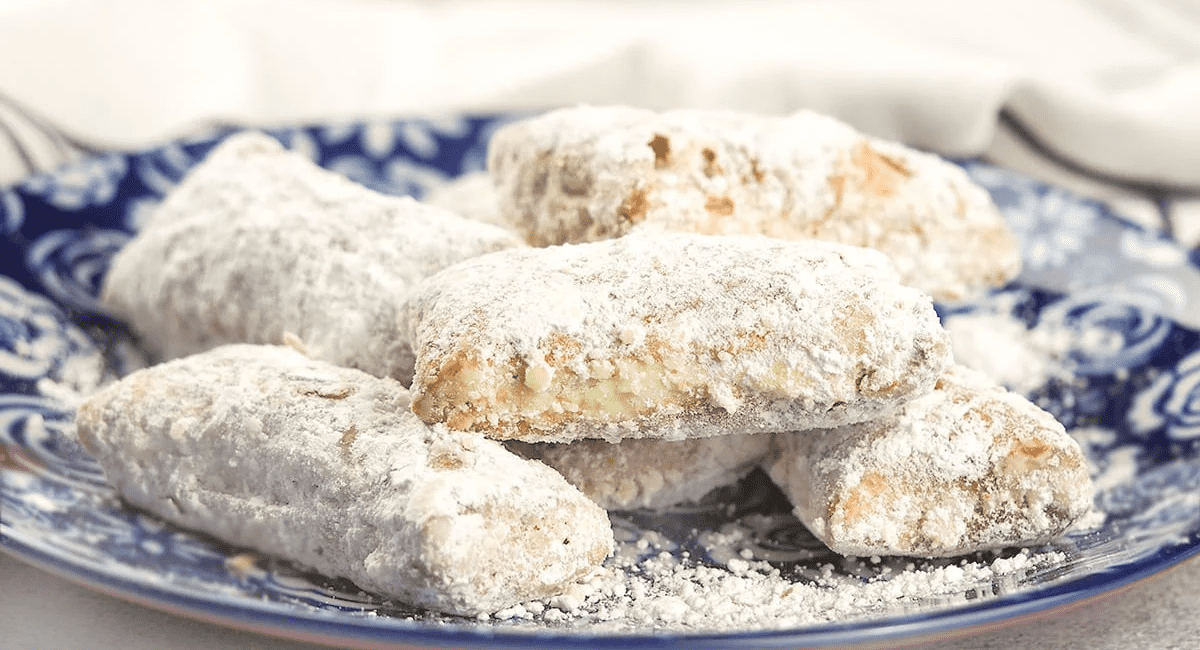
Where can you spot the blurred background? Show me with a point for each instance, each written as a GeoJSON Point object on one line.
{"type": "Point", "coordinates": [1102, 96]}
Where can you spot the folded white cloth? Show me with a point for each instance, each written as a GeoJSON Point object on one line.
{"type": "Point", "coordinates": [1099, 95]}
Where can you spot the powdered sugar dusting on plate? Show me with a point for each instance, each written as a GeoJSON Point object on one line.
{"type": "Point", "coordinates": [991, 338]}
{"type": "Point", "coordinates": [651, 585]}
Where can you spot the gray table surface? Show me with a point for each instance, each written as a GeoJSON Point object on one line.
{"type": "Point", "coordinates": [39, 611]}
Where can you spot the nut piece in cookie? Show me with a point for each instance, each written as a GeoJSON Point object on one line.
{"type": "Point", "coordinates": [670, 336]}
{"type": "Point", "coordinates": [264, 448]}
{"type": "Point", "coordinates": [970, 466]}
{"type": "Point", "coordinates": [597, 172]}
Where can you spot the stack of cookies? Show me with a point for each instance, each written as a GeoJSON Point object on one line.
{"type": "Point", "coordinates": [652, 304]}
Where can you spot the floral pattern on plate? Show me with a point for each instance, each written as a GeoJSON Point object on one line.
{"type": "Point", "coordinates": [1135, 402]}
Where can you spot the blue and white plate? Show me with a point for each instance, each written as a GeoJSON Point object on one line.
{"type": "Point", "coordinates": [1140, 399]}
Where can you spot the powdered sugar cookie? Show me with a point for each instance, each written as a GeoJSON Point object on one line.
{"type": "Point", "coordinates": [649, 473]}
{"type": "Point", "coordinates": [263, 447]}
{"type": "Point", "coordinates": [589, 173]}
{"type": "Point", "coordinates": [970, 466]}
{"type": "Point", "coordinates": [669, 336]}
{"type": "Point", "coordinates": [472, 196]}
{"type": "Point", "coordinates": [258, 242]}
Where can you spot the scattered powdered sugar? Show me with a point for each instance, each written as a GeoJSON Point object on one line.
{"type": "Point", "coordinates": [81, 374]}
{"type": "Point", "coordinates": [991, 339]}
{"type": "Point", "coordinates": [1029, 361]}
{"type": "Point", "coordinates": [1109, 466]}
{"type": "Point", "coordinates": [650, 585]}
{"type": "Point", "coordinates": [78, 377]}
{"type": "Point", "coordinates": [729, 583]}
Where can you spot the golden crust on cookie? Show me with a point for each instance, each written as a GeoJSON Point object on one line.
{"type": "Point", "coordinates": [671, 336]}
{"type": "Point", "coordinates": [590, 173]}
{"type": "Point", "coordinates": [970, 466]}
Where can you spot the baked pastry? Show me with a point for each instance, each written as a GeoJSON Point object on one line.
{"type": "Point", "coordinates": [258, 242]}
{"type": "Point", "coordinates": [588, 173]}
{"type": "Point", "coordinates": [262, 447]}
{"type": "Point", "coordinates": [669, 336]}
{"type": "Point", "coordinates": [472, 195]}
{"type": "Point", "coordinates": [649, 473]}
{"type": "Point", "coordinates": [967, 467]}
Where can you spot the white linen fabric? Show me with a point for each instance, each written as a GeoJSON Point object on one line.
{"type": "Point", "coordinates": [1100, 95]}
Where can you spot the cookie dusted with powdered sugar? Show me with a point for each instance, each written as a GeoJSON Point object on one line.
{"type": "Point", "coordinates": [648, 473]}
{"type": "Point", "coordinates": [258, 242]}
{"type": "Point", "coordinates": [590, 173]}
{"type": "Point", "coordinates": [472, 196]}
{"type": "Point", "coordinates": [263, 447]}
{"type": "Point", "coordinates": [970, 466]}
{"type": "Point", "coordinates": [670, 336]}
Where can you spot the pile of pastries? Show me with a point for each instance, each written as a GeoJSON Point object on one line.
{"type": "Point", "coordinates": [441, 404]}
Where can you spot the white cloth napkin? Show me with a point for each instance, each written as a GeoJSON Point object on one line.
{"type": "Point", "coordinates": [1102, 96]}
